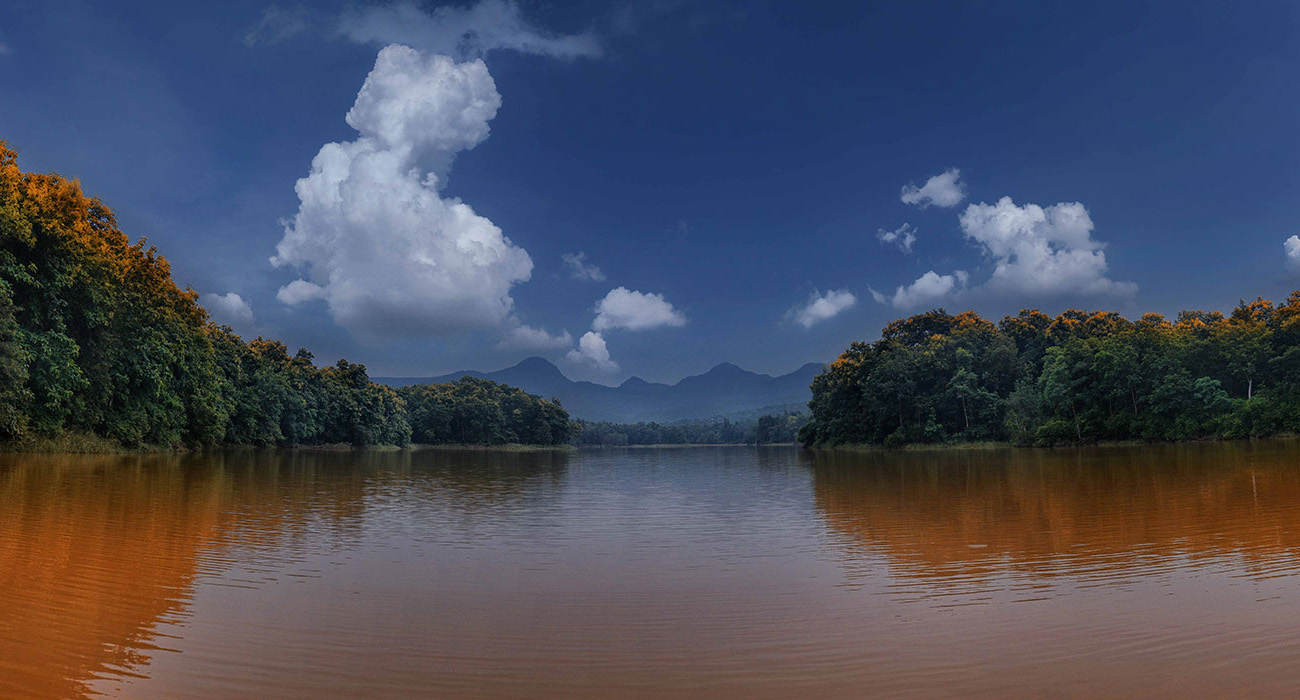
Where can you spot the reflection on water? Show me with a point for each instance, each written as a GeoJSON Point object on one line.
{"type": "Point", "coordinates": [728, 572]}
{"type": "Point", "coordinates": [958, 517]}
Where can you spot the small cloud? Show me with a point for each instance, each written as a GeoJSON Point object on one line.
{"type": "Point", "coordinates": [903, 237]}
{"type": "Point", "coordinates": [942, 190]}
{"type": "Point", "coordinates": [4, 49]}
{"type": "Point", "coordinates": [579, 269]}
{"type": "Point", "coordinates": [592, 352]}
{"type": "Point", "coordinates": [298, 292]}
{"type": "Point", "coordinates": [635, 311]}
{"type": "Point", "coordinates": [465, 32]}
{"type": "Point", "coordinates": [528, 338]}
{"type": "Point", "coordinates": [227, 309]}
{"type": "Point", "coordinates": [820, 307]}
{"type": "Point", "coordinates": [927, 290]}
{"type": "Point", "coordinates": [1292, 248]}
{"type": "Point", "coordinates": [277, 24]}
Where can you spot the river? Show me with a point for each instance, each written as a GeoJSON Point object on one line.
{"type": "Point", "coordinates": [730, 572]}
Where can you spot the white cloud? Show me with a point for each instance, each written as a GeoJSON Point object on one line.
{"type": "Point", "coordinates": [822, 306]}
{"type": "Point", "coordinates": [528, 338]}
{"type": "Point", "coordinates": [227, 309]}
{"type": "Point", "coordinates": [298, 292]}
{"type": "Point", "coordinates": [579, 269]}
{"type": "Point", "coordinates": [1292, 248]}
{"type": "Point", "coordinates": [1041, 250]}
{"type": "Point", "coordinates": [387, 253]}
{"type": "Point", "coordinates": [591, 351]}
{"type": "Point", "coordinates": [277, 24]}
{"type": "Point", "coordinates": [634, 311]}
{"type": "Point", "coordinates": [903, 237]}
{"type": "Point", "coordinates": [468, 32]}
{"type": "Point", "coordinates": [928, 289]}
{"type": "Point", "coordinates": [942, 190]}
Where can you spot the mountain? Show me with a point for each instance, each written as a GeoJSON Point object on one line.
{"type": "Point", "coordinates": [725, 389]}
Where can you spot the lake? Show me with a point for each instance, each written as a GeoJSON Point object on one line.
{"type": "Point", "coordinates": [1159, 571]}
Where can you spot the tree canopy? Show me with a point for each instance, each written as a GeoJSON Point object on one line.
{"type": "Point", "coordinates": [1079, 377]}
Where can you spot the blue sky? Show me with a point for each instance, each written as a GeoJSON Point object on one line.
{"type": "Point", "coordinates": [737, 173]}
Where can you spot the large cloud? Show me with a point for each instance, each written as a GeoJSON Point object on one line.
{"type": "Point", "coordinates": [928, 290]}
{"type": "Point", "coordinates": [377, 241]}
{"type": "Point", "coordinates": [634, 311]}
{"type": "Point", "coordinates": [462, 31]}
{"type": "Point", "coordinates": [1292, 248]}
{"type": "Point", "coordinates": [1041, 250]}
{"type": "Point", "coordinates": [820, 307]}
{"type": "Point", "coordinates": [943, 190]}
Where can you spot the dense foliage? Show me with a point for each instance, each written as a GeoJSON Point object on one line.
{"type": "Point", "coordinates": [484, 412]}
{"type": "Point", "coordinates": [718, 431]}
{"type": "Point", "coordinates": [95, 337]}
{"type": "Point", "coordinates": [1078, 377]}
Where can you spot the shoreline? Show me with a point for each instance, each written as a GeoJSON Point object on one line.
{"type": "Point", "coordinates": [78, 444]}
{"type": "Point", "coordinates": [1001, 445]}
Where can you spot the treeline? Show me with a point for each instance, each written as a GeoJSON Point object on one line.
{"type": "Point", "coordinates": [96, 338]}
{"type": "Point", "coordinates": [767, 429]}
{"type": "Point", "coordinates": [1079, 377]}
{"type": "Point", "coordinates": [484, 412]}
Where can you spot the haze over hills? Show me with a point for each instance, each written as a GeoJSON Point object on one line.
{"type": "Point", "coordinates": [722, 390]}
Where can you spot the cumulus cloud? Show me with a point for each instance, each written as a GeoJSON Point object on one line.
{"type": "Point", "coordinates": [634, 311]}
{"type": "Point", "coordinates": [227, 309]}
{"type": "Point", "coordinates": [525, 337]}
{"type": "Point", "coordinates": [592, 352]}
{"type": "Point", "coordinates": [374, 237]}
{"type": "Point", "coordinates": [928, 289]}
{"type": "Point", "coordinates": [903, 237]}
{"type": "Point", "coordinates": [579, 269]}
{"type": "Point", "coordinates": [298, 292]}
{"type": "Point", "coordinates": [943, 190]}
{"type": "Point", "coordinates": [277, 24]}
{"type": "Point", "coordinates": [468, 32]}
{"type": "Point", "coordinates": [820, 307]}
{"type": "Point", "coordinates": [1292, 248]}
{"type": "Point", "coordinates": [1041, 250]}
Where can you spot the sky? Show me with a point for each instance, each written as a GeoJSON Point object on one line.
{"type": "Point", "coordinates": [653, 188]}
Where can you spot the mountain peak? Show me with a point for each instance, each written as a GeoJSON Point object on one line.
{"type": "Point", "coordinates": [536, 364]}
{"type": "Point", "coordinates": [534, 369]}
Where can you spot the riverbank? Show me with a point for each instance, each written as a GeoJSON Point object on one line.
{"type": "Point", "coordinates": [1001, 445]}
{"type": "Point", "coordinates": [80, 443]}
{"type": "Point", "coordinates": [73, 443]}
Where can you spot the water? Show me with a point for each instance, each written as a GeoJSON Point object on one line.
{"type": "Point", "coordinates": [1167, 571]}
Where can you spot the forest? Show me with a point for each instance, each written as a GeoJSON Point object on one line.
{"type": "Point", "coordinates": [97, 339]}
{"type": "Point", "coordinates": [1081, 377]}
{"type": "Point", "coordinates": [767, 429]}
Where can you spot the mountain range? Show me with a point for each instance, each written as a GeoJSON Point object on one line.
{"type": "Point", "coordinates": [725, 389]}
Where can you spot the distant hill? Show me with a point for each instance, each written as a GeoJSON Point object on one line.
{"type": "Point", "coordinates": [725, 389]}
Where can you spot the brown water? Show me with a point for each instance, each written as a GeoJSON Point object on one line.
{"type": "Point", "coordinates": [730, 572]}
